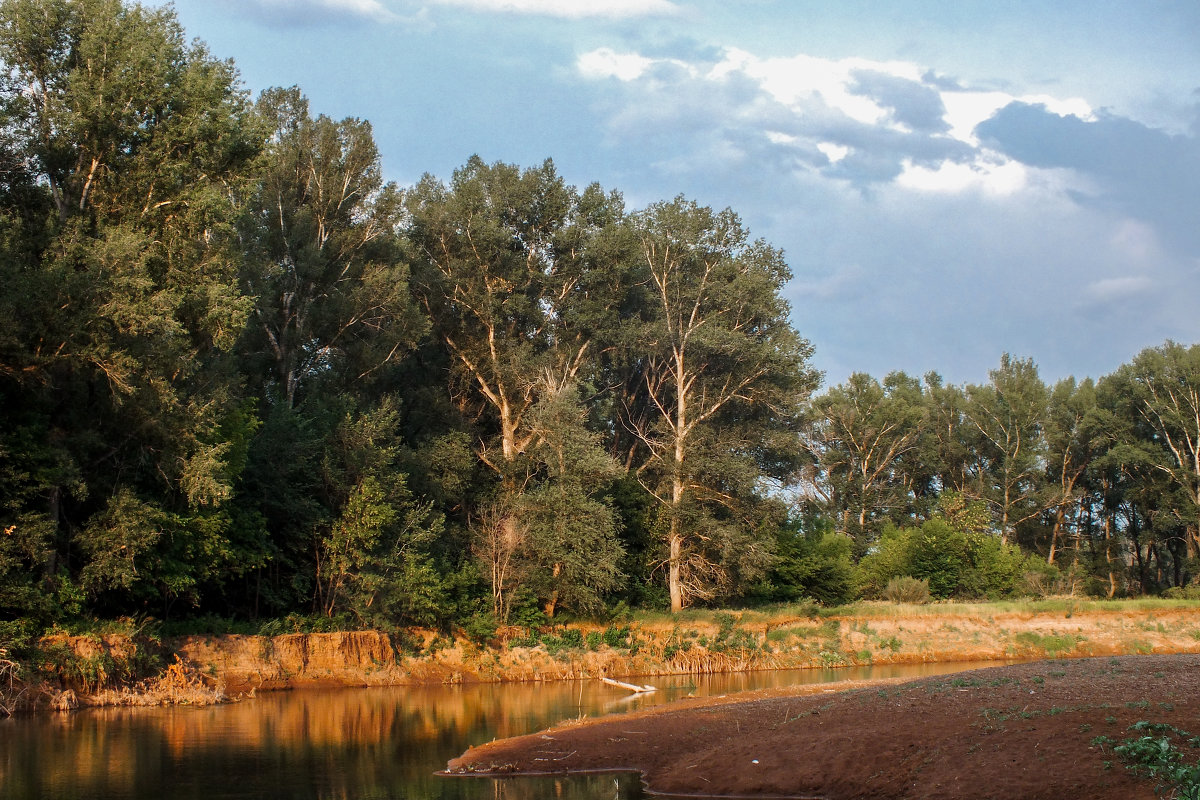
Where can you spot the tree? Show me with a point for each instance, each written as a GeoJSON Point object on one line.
{"type": "Point", "coordinates": [1007, 416]}
{"type": "Point", "coordinates": [370, 550]}
{"type": "Point", "coordinates": [860, 436]}
{"type": "Point", "coordinates": [522, 277]}
{"type": "Point", "coordinates": [571, 550]}
{"type": "Point", "coordinates": [135, 148]}
{"type": "Point", "coordinates": [1165, 382]}
{"type": "Point", "coordinates": [324, 258]}
{"type": "Point", "coordinates": [1072, 441]}
{"type": "Point", "coordinates": [724, 377]}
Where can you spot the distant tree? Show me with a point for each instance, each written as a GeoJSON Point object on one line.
{"type": "Point", "coordinates": [860, 437]}
{"type": "Point", "coordinates": [1007, 416]}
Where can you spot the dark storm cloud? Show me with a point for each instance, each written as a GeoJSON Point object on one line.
{"type": "Point", "coordinates": [912, 104]}
{"type": "Point", "coordinates": [1140, 171]}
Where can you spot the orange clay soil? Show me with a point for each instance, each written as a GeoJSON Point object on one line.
{"type": "Point", "coordinates": [1023, 732]}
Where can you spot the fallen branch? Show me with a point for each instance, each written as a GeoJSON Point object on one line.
{"type": "Point", "coordinates": [633, 687]}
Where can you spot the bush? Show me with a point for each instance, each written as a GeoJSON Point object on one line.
{"type": "Point", "coordinates": [1189, 592]}
{"type": "Point", "coordinates": [814, 564]}
{"type": "Point", "coordinates": [907, 589]}
{"type": "Point", "coordinates": [941, 556]}
{"type": "Point", "coordinates": [480, 628]}
{"type": "Point", "coordinates": [954, 562]}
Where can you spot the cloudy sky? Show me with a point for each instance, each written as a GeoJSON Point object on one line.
{"type": "Point", "coordinates": [950, 180]}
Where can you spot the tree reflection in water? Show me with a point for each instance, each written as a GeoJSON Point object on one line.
{"type": "Point", "coordinates": [354, 744]}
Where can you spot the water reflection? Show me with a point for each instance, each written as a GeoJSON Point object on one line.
{"type": "Point", "coordinates": [356, 744]}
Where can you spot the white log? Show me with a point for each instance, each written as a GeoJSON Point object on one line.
{"type": "Point", "coordinates": [633, 687]}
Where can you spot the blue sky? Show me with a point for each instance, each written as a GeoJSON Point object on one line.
{"type": "Point", "coordinates": [949, 180]}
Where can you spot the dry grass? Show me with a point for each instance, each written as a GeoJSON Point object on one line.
{"type": "Point", "coordinates": [178, 685]}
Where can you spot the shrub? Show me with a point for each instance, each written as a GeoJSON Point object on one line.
{"type": "Point", "coordinates": [480, 628]}
{"type": "Point", "coordinates": [1189, 592]}
{"type": "Point", "coordinates": [817, 564]}
{"type": "Point", "coordinates": [955, 563]}
{"type": "Point", "coordinates": [939, 554]}
{"type": "Point", "coordinates": [907, 589]}
{"type": "Point", "coordinates": [616, 637]}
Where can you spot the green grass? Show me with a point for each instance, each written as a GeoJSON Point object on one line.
{"type": "Point", "coordinates": [1051, 643]}
{"type": "Point", "coordinates": [788, 612]}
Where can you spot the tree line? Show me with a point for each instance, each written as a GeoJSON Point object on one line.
{"type": "Point", "coordinates": [1100, 479]}
{"type": "Point", "coordinates": [241, 374]}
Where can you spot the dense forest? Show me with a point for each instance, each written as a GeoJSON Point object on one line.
{"type": "Point", "coordinates": [243, 376]}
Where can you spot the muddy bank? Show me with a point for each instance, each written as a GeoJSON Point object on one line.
{"type": "Point", "coordinates": [234, 666]}
{"type": "Point", "coordinates": [1023, 732]}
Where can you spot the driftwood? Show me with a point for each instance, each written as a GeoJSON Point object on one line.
{"type": "Point", "coordinates": [633, 687]}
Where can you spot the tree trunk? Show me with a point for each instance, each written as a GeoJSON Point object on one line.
{"type": "Point", "coordinates": [552, 602]}
{"type": "Point", "coordinates": [674, 582]}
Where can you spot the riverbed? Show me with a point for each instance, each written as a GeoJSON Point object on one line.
{"type": "Point", "coordinates": [345, 744]}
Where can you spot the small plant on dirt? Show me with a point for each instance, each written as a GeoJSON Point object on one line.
{"type": "Point", "coordinates": [890, 643]}
{"type": "Point", "coordinates": [617, 636]}
{"type": "Point", "coordinates": [1052, 644]}
{"type": "Point", "coordinates": [1159, 753]}
{"type": "Point", "coordinates": [530, 639]}
{"type": "Point", "coordinates": [593, 640]}
{"type": "Point", "coordinates": [906, 589]}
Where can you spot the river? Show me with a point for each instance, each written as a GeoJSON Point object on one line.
{"type": "Point", "coordinates": [351, 744]}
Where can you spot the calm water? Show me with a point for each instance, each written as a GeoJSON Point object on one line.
{"type": "Point", "coordinates": [355, 744]}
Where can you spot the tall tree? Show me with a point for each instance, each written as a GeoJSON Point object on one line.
{"type": "Point", "coordinates": [862, 431]}
{"type": "Point", "coordinates": [137, 147]}
{"type": "Point", "coordinates": [324, 261]}
{"type": "Point", "coordinates": [1007, 415]}
{"type": "Point", "coordinates": [724, 378]}
{"type": "Point", "coordinates": [1073, 439]}
{"type": "Point", "coordinates": [522, 275]}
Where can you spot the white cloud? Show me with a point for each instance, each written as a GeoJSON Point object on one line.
{"type": "Point", "coordinates": [607, 63]}
{"type": "Point", "coordinates": [570, 9]}
{"type": "Point", "coordinates": [802, 79]}
{"type": "Point", "coordinates": [291, 11]}
{"type": "Point", "coordinates": [966, 109]}
{"type": "Point", "coordinates": [858, 119]}
{"type": "Point", "coordinates": [1119, 288]}
{"type": "Point", "coordinates": [834, 152]}
{"type": "Point", "coordinates": [1001, 177]}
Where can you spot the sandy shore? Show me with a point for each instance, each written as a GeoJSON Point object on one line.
{"type": "Point", "coordinates": [1022, 732]}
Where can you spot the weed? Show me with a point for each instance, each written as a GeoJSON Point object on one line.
{"type": "Point", "coordinates": [1052, 644]}
{"type": "Point", "coordinates": [1157, 754]}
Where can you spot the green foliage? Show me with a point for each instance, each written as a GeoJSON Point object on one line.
{"type": "Point", "coordinates": [816, 563]}
{"type": "Point", "coordinates": [243, 377]}
{"type": "Point", "coordinates": [1159, 755]}
{"type": "Point", "coordinates": [480, 628]}
{"type": "Point", "coordinates": [955, 563]}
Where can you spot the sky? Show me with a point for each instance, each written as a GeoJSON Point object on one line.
{"type": "Point", "coordinates": [949, 181]}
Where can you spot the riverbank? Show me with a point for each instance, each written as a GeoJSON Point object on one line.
{"type": "Point", "coordinates": [106, 670]}
{"type": "Point", "coordinates": [1029, 731]}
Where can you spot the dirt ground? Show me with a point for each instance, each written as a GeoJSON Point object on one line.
{"type": "Point", "coordinates": [1023, 732]}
